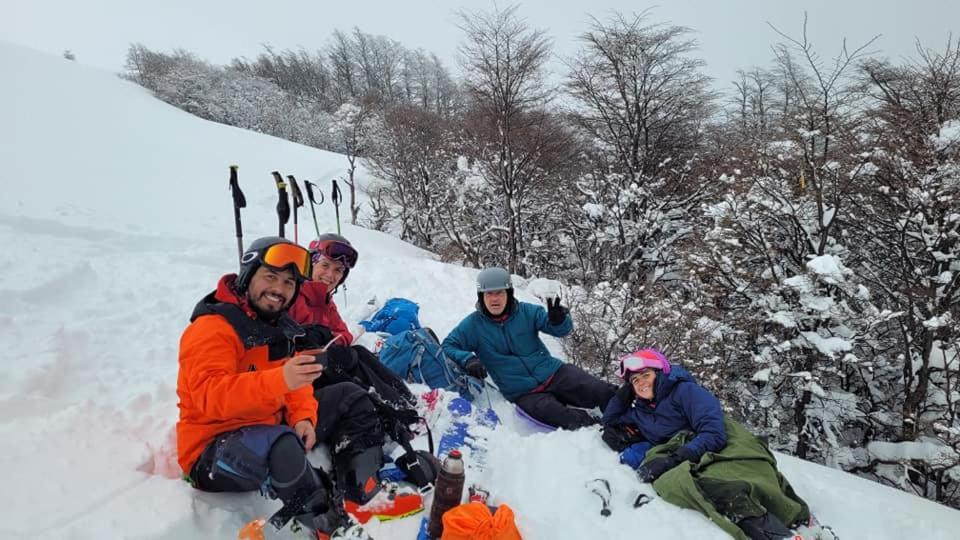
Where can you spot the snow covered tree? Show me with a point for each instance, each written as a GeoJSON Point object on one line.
{"type": "Point", "coordinates": [350, 133]}
{"type": "Point", "coordinates": [910, 233]}
{"type": "Point", "coordinates": [304, 76]}
{"type": "Point", "coordinates": [518, 147]}
{"type": "Point", "coordinates": [640, 101]}
{"type": "Point", "coordinates": [776, 260]}
{"type": "Point", "coordinates": [411, 152]}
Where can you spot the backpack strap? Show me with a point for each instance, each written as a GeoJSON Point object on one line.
{"type": "Point", "coordinates": [417, 361]}
{"type": "Point", "coordinates": [412, 462]}
{"type": "Point", "coordinates": [280, 338]}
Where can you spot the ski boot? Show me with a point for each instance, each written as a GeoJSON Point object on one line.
{"type": "Point", "coordinates": [322, 513]}
{"type": "Point", "coordinates": [765, 527]}
{"type": "Point", "coordinates": [811, 529]}
{"type": "Point", "coordinates": [357, 474]}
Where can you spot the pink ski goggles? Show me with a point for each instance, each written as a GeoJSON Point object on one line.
{"type": "Point", "coordinates": [643, 359]}
{"type": "Point", "coordinates": [333, 250]}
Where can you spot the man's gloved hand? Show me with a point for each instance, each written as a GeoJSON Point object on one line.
{"type": "Point", "coordinates": [474, 368]}
{"type": "Point", "coordinates": [625, 394]}
{"type": "Point", "coordinates": [342, 358]}
{"type": "Point", "coordinates": [556, 313]}
{"type": "Point", "coordinates": [620, 436]}
{"type": "Point", "coordinates": [653, 469]}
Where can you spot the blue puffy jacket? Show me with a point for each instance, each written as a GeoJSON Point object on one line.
{"type": "Point", "coordinates": [511, 350]}
{"type": "Point", "coordinates": [678, 404]}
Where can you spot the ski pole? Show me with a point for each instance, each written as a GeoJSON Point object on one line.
{"type": "Point", "coordinates": [337, 197]}
{"type": "Point", "coordinates": [297, 203]}
{"type": "Point", "coordinates": [601, 488]}
{"type": "Point", "coordinates": [313, 201]}
{"type": "Point", "coordinates": [283, 205]}
{"type": "Point", "coordinates": [239, 201]}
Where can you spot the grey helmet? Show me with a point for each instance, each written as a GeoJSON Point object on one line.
{"type": "Point", "coordinates": [493, 279]}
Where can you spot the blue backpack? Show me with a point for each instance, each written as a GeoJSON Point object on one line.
{"type": "Point", "coordinates": [416, 356]}
{"type": "Point", "coordinates": [396, 315]}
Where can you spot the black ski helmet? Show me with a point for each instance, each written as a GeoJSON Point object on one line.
{"type": "Point", "coordinates": [252, 259]}
{"type": "Point", "coordinates": [494, 279]}
{"type": "Point", "coordinates": [333, 237]}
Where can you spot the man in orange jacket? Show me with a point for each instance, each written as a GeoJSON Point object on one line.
{"type": "Point", "coordinates": [247, 411]}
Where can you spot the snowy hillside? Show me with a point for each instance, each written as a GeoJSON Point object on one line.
{"type": "Point", "coordinates": [116, 219]}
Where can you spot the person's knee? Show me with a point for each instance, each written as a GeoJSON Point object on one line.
{"type": "Point", "coordinates": [577, 418]}
{"type": "Point", "coordinates": [287, 460]}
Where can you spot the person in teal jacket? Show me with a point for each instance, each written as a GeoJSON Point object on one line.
{"type": "Point", "coordinates": [502, 338]}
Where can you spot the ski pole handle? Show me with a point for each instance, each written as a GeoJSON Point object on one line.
{"type": "Point", "coordinates": [239, 201]}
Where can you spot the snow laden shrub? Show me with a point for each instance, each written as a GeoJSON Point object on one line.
{"type": "Point", "coordinates": [227, 96]}
{"type": "Point", "coordinates": [910, 242]}
{"type": "Point", "coordinates": [800, 319]}
{"type": "Point", "coordinates": [350, 135]}
{"type": "Point", "coordinates": [611, 320]}
{"type": "Point", "coordinates": [413, 157]}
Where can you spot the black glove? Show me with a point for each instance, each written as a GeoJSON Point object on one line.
{"type": "Point", "coordinates": [556, 313]}
{"type": "Point", "coordinates": [619, 436]}
{"type": "Point", "coordinates": [625, 394]}
{"type": "Point", "coordinates": [342, 358]}
{"type": "Point", "coordinates": [315, 337]}
{"type": "Point", "coordinates": [653, 469]}
{"type": "Point", "coordinates": [474, 368]}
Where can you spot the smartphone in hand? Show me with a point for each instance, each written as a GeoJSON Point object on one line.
{"type": "Point", "coordinates": [319, 356]}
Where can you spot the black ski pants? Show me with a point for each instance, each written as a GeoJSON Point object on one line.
{"type": "Point", "coordinates": [570, 387]}
{"type": "Point", "coordinates": [347, 421]}
{"type": "Point", "coordinates": [346, 418]}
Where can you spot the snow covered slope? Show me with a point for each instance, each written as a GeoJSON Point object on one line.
{"type": "Point", "coordinates": [116, 219]}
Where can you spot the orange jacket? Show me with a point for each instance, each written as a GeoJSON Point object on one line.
{"type": "Point", "coordinates": [222, 386]}
{"type": "Point", "coordinates": [314, 306]}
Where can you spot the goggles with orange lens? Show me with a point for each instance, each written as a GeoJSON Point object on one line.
{"type": "Point", "coordinates": [335, 251]}
{"type": "Point", "coordinates": [280, 256]}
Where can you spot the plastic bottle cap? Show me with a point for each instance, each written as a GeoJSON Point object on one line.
{"type": "Point", "coordinates": [455, 454]}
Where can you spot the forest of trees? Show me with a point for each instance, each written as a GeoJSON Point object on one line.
{"type": "Point", "coordinates": [793, 239]}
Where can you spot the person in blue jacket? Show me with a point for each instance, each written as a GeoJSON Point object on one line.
{"type": "Point", "coordinates": [661, 418]}
{"type": "Point", "coordinates": [657, 401]}
{"type": "Point", "coordinates": [502, 338]}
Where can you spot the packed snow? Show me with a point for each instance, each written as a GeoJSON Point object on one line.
{"type": "Point", "coordinates": [117, 220]}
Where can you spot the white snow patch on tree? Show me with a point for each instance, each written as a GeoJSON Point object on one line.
{"type": "Point", "coordinates": [544, 288]}
{"type": "Point", "coordinates": [828, 346]}
{"type": "Point", "coordinates": [593, 210]}
{"type": "Point", "coordinates": [939, 321]}
{"type": "Point", "coordinates": [949, 134]}
{"type": "Point", "coordinates": [828, 268]}
{"type": "Point", "coordinates": [784, 319]}
{"type": "Point", "coordinates": [926, 449]}
{"type": "Point", "coordinates": [817, 303]}
{"type": "Point", "coordinates": [800, 283]}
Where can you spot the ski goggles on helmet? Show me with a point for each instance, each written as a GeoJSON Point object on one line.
{"type": "Point", "coordinates": [280, 256]}
{"type": "Point", "coordinates": [643, 359]}
{"type": "Point", "coordinates": [333, 250]}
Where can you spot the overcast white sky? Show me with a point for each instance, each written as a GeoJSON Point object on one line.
{"type": "Point", "coordinates": [733, 34]}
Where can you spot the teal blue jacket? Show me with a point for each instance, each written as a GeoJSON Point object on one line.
{"type": "Point", "coordinates": [511, 350]}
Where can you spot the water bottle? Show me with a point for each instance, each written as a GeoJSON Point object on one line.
{"type": "Point", "coordinates": [448, 492]}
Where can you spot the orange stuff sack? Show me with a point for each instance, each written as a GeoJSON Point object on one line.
{"type": "Point", "coordinates": [473, 521]}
